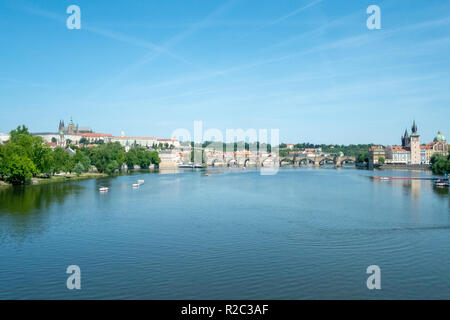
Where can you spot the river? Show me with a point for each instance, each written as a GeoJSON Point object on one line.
{"type": "Point", "coordinates": [232, 234]}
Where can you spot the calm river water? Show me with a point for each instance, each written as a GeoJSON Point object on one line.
{"type": "Point", "coordinates": [301, 234]}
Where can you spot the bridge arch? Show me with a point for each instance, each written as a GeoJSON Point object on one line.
{"type": "Point", "coordinates": [327, 160]}
{"type": "Point", "coordinates": [305, 161]}
{"type": "Point", "coordinates": [216, 160]}
{"type": "Point", "coordinates": [347, 160]}
{"type": "Point", "coordinates": [290, 160]}
{"type": "Point", "coordinates": [268, 162]}
{"type": "Point", "coordinates": [232, 163]}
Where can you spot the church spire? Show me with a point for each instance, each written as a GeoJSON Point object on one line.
{"type": "Point", "coordinates": [414, 127]}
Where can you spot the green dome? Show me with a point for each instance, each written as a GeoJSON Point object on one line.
{"type": "Point", "coordinates": [439, 137]}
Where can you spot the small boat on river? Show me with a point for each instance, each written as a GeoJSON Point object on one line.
{"type": "Point", "coordinates": [442, 183]}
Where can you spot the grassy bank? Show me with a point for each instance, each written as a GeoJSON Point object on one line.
{"type": "Point", "coordinates": [59, 179]}
{"type": "Point", "coordinates": [67, 178]}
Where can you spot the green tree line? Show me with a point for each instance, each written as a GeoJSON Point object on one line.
{"type": "Point", "coordinates": [360, 151]}
{"type": "Point", "coordinates": [440, 164]}
{"type": "Point", "coordinates": [26, 156]}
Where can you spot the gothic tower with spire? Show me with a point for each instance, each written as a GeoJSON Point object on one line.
{"type": "Point", "coordinates": [405, 139]}
{"type": "Point", "coordinates": [415, 144]}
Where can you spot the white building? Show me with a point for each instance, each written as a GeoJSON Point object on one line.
{"type": "Point", "coordinates": [170, 160]}
{"type": "Point", "coordinates": [59, 138]}
{"type": "Point", "coordinates": [4, 137]}
{"type": "Point", "coordinates": [135, 141]}
{"type": "Point", "coordinates": [93, 136]}
{"type": "Point", "coordinates": [169, 142]}
{"type": "Point", "coordinates": [398, 155]}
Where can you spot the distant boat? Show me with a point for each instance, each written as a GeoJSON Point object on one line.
{"type": "Point", "coordinates": [190, 166]}
{"type": "Point", "coordinates": [140, 181]}
{"type": "Point", "coordinates": [443, 183]}
{"type": "Point", "coordinates": [103, 189]}
{"type": "Point", "coordinates": [135, 185]}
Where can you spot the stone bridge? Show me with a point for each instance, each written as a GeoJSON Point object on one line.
{"type": "Point", "coordinates": [318, 160]}
{"type": "Point", "coordinates": [270, 160]}
{"type": "Point", "coordinates": [242, 161]}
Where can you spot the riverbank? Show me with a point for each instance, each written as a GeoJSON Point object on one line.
{"type": "Point", "coordinates": [389, 166]}
{"type": "Point", "coordinates": [60, 178]}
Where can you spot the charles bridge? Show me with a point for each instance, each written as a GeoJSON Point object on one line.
{"type": "Point", "coordinates": [270, 160]}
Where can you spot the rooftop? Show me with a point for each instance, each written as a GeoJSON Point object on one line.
{"type": "Point", "coordinates": [134, 138]}
{"type": "Point", "coordinates": [439, 137]}
{"type": "Point", "coordinates": [95, 135]}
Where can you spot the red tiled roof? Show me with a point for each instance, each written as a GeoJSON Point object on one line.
{"type": "Point", "coordinates": [399, 149]}
{"type": "Point", "coordinates": [95, 135]}
{"type": "Point", "coordinates": [135, 138]}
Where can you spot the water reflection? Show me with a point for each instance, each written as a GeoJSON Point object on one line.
{"type": "Point", "coordinates": [25, 211]}
{"type": "Point", "coordinates": [442, 191]}
{"type": "Point", "coordinates": [26, 199]}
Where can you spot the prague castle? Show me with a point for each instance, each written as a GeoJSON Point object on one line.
{"type": "Point", "coordinates": [75, 134]}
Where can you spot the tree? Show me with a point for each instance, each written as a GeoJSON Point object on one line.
{"type": "Point", "coordinates": [44, 160]}
{"type": "Point", "coordinates": [104, 154]}
{"type": "Point", "coordinates": [363, 157]}
{"type": "Point", "coordinates": [14, 134]}
{"type": "Point", "coordinates": [131, 158]}
{"type": "Point", "coordinates": [381, 160]}
{"type": "Point", "coordinates": [19, 169]}
{"type": "Point", "coordinates": [54, 140]}
{"type": "Point", "coordinates": [63, 161]}
{"type": "Point", "coordinates": [81, 157]}
{"type": "Point", "coordinates": [79, 169]}
{"type": "Point", "coordinates": [440, 164]}
{"type": "Point", "coordinates": [142, 157]}
{"type": "Point", "coordinates": [111, 167]}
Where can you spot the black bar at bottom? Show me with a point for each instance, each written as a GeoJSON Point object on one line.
{"type": "Point", "coordinates": [222, 309]}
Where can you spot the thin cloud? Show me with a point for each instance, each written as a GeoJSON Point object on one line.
{"type": "Point", "coordinates": [293, 13]}
{"type": "Point", "coordinates": [169, 43]}
{"type": "Point", "coordinates": [105, 33]}
{"type": "Point", "coordinates": [284, 17]}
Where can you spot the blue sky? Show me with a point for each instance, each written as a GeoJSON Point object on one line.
{"type": "Point", "coordinates": [308, 67]}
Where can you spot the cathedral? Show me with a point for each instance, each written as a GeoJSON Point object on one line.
{"type": "Point", "coordinates": [72, 129]}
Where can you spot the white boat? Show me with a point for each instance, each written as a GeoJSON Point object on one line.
{"type": "Point", "coordinates": [140, 181]}
{"type": "Point", "coordinates": [190, 166]}
{"type": "Point", "coordinates": [135, 185]}
{"type": "Point", "coordinates": [103, 189]}
{"type": "Point", "coordinates": [441, 183]}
